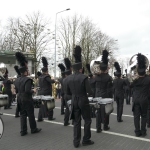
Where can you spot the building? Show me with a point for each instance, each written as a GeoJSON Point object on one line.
{"type": "Point", "coordinates": [9, 59]}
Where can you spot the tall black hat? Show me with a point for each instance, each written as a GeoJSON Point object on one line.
{"type": "Point", "coordinates": [22, 61]}
{"type": "Point", "coordinates": [39, 73]}
{"type": "Point", "coordinates": [62, 68]}
{"type": "Point", "coordinates": [89, 70]}
{"type": "Point", "coordinates": [118, 69]}
{"type": "Point", "coordinates": [68, 66]}
{"type": "Point", "coordinates": [141, 60]}
{"type": "Point", "coordinates": [17, 70]}
{"type": "Point", "coordinates": [77, 55]}
{"type": "Point", "coordinates": [45, 64]}
{"type": "Point", "coordinates": [104, 63]}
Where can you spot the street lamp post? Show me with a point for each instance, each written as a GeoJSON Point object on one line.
{"type": "Point", "coordinates": [56, 36]}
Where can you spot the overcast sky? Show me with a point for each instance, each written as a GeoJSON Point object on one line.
{"type": "Point", "coordinates": [127, 21]}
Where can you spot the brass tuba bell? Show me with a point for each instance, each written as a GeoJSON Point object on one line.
{"type": "Point", "coordinates": [95, 65]}
{"type": "Point", "coordinates": [2, 69]}
{"type": "Point", "coordinates": [132, 69]}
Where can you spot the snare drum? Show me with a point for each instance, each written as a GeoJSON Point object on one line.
{"type": "Point", "coordinates": [37, 101]}
{"type": "Point", "coordinates": [108, 102]}
{"type": "Point", "coordinates": [48, 101]}
{"type": "Point", "coordinates": [4, 100]}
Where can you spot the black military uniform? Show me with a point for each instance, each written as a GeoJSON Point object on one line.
{"type": "Point", "coordinates": [148, 110]}
{"type": "Point", "coordinates": [67, 97]}
{"type": "Point", "coordinates": [119, 84]}
{"type": "Point", "coordinates": [7, 89]}
{"type": "Point", "coordinates": [18, 76]}
{"type": "Point", "coordinates": [103, 84]}
{"type": "Point", "coordinates": [140, 96]}
{"type": "Point", "coordinates": [92, 85]}
{"type": "Point", "coordinates": [62, 68]}
{"type": "Point", "coordinates": [78, 86]}
{"type": "Point", "coordinates": [23, 88]}
{"type": "Point", "coordinates": [45, 84]}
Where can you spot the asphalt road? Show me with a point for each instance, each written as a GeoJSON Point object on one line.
{"type": "Point", "coordinates": [54, 136]}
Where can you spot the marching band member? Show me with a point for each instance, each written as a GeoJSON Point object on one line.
{"type": "Point", "coordinates": [45, 84]}
{"type": "Point", "coordinates": [62, 68]}
{"type": "Point", "coordinates": [103, 82]}
{"type": "Point", "coordinates": [119, 85]}
{"type": "Point", "coordinates": [7, 89]}
{"type": "Point", "coordinates": [141, 87]}
{"type": "Point", "coordinates": [67, 97]}
{"type": "Point", "coordinates": [25, 91]}
{"type": "Point", "coordinates": [18, 76]}
{"type": "Point", "coordinates": [92, 84]}
{"type": "Point", "coordinates": [78, 86]}
{"type": "Point", "coordinates": [127, 89]}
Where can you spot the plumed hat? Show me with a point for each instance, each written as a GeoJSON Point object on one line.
{"type": "Point", "coordinates": [62, 68]}
{"type": "Point", "coordinates": [45, 64]}
{"type": "Point", "coordinates": [77, 55]}
{"type": "Point", "coordinates": [118, 69]}
{"type": "Point", "coordinates": [141, 62]}
{"type": "Point", "coordinates": [89, 70]}
{"type": "Point", "coordinates": [17, 70]}
{"type": "Point", "coordinates": [22, 61]}
{"type": "Point", "coordinates": [68, 66]}
{"type": "Point", "coordinates": [104, 61]}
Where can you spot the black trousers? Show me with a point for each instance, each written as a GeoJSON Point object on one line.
{"type": "Point", "coordinates": [140, 109]}
{"type": "Point", "coordinates": [148, 112]}
{"type": "Point", "coordinates": [17, 110]}
{"type": "Point", "coordinates": [62, 105]}
{"type": "Point", "coordinates": [27, 110]}
{"type": "Point", "coordinates": [120, 102]}
{"type": "Point", "coordinates": [43, 113]}
{"type": "Point", "coordinates": [101, 117]}
{"type": "Point", "coordinates": [81, 109]}
{"type": "Point", "coordinates": [67, 113]}
{"type": "Point", "coordinates": [127, 96]}
{"type": "Point", "coordinates": [93, 111]}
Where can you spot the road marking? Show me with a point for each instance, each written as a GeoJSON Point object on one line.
{"type": "Point", "coordinates": [111, 113]}
{"type": "Point", "coordinates": [92, 129]}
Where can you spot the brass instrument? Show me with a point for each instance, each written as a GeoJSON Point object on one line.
{"type": "Point", "coordinates": [54, 90]}
{"type": "Point", "coordinates": [95, 65]}
{"type": "Point", "coordinates": [132, 69]}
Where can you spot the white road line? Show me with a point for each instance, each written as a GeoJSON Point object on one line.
{"type": "Point", "coordinates": [92, 129]}
{"type": "Point", "coordinates": [111, 113]}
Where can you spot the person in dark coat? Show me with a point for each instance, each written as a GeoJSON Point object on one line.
{"type": "Point", "coordinates": [119, 85]}
{"type": "Point", "coordinates": [7, 89]}
{"type": "Point", "coordinates": [78, 86]}
{"type": "Point", "coordinates": [18, 76]}
{"type": "Point", "coordinates": [140, 96]}
{"type": "Point", "coordinates": [127, 89]}
{"type": "Point", "coordinates": [92, 84]}
{"type": "Point", "coordinates": [62, 68]}
{"type": "Point", "coordinates": [103, 84]}
{"type": "Point", "coordinates": [45, 84]}
{"type": "Point", "coordinates": [25, 91]}
{"type": "Point", "coordinates": [67, 97]}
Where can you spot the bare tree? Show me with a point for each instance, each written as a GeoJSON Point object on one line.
{"type": "Point", "coordinates": [31, 35]}
{"type": "Point", "coordinates": [82, 31]}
